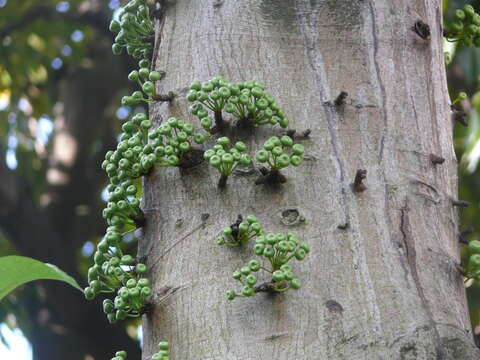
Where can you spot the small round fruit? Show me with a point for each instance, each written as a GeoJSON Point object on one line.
{"type": "Point", "coordinates": [251, 279]}
{"type": "Point", "coordinates": [154, 76]}
{"type": "Point", "coordinates": [262, 156]}
{"type": "Point", "coordinates": [295, 284]}
{"type": "Point", "coordinates": [231, 295]}
{"type": "Point", "coordinates": [278, 276]}
{"type": "Point", "coordinates": [258, 249]}
{"type": "Point", "coordinates": [247, 291]}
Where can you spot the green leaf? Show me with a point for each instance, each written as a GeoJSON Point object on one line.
{"type": "Point", "coordinates": [18, 270]}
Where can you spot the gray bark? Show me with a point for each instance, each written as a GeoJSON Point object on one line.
{"type": "Point", "coordinates": [386, 287]}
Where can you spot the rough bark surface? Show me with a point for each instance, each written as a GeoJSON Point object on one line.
{"type": "Point", "coordinates": [386, 286]}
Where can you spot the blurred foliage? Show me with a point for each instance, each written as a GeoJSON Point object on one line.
{"type": "Point", "coordinates": [40, 42]}
{"type": "Point", "coordinates": [463, 73]}
{"type": "Point", "coordinates": [33, 55]}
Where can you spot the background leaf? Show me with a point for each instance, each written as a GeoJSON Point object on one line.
{"type": "Point", "coordinates": [18, 270]}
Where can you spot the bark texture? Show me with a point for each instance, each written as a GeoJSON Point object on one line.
{"type": "Point", "coordinates": [381, 281]}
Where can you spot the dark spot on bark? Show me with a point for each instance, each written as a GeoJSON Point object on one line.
{"type": "Point", "coordinates": [164, 97]}
{"type": "Point", "coordinates": [204, 216]}
{"type": "Point", "coordinates": [191, 158]}
{"type": "Point", "coordinates": [436, 160]}
{"type": "Point", "coordinates": [358, 185]}
{"type": "Point", "coordinates": [179, 222]}
{"type": "Point", "coordinates": [343, 226]}
{"type": "Point", "coordinates": [266, 287]}
{"type": "Point", "coordinates": [422, 29]}
{"type": "Point", "coordinates": [457, 348]}
{"type": "Point", "coordinates": [294, 135]}
{"type": "Point", "coordinates": [340, 100]}
{"type": "Point", "coordinates": [292, 217]}
{"type": "Point", "coordinates": [408, 351]}
{"type": "Point", "coordinates": [222, 181]}
{"type": "Point", "coordinates": [246, 171]}
{"type": "Point", "coordinates": [344, 14]}
{"type": "Point", "coordinates": [281, 12]}
{"type": "Point", "coordinates": [334, 307]}
{"type": "Point", "coordinates": [440, 354]}
{"type": "Point", "coordinates": [270, 177]}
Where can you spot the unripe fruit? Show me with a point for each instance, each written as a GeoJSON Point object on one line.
{"type": "Point", "coordinates": [278, 276]}
{"type": "Point", "coordinates": [154, 76]}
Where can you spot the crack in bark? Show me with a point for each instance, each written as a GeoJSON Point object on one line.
{"type": "Point", "coordinates": [411, 255]}
{"type": "Point", "coordinates": [161, 18]}
{"type": "Point", "coordinates": [276, 336]}
{"type": "Point", "coordinates": [379, 79]}
{"type": "Point", "coordinates": [410, 251]}
{"type": "Point", "coordinates": [404, 237]}
{"type": "Point", "coordinates": [167, 250]}
{"type": "Point", "coordinates": [415, 115]}
{"type": "Point", "coordinates": [346, 340]}
{"type": "Point", "coordinates": [166, 292]}
{"type": "Point", "coordinates": [315, 61]}
{"type": "Point", "coordinates": [435, 199]}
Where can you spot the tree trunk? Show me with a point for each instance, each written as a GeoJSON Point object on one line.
{"type": "Point", "coordinates": [382, 279]}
